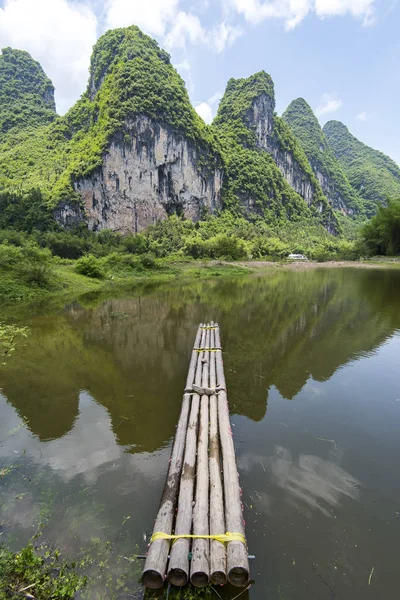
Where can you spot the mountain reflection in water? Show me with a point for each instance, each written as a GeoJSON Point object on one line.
{"type": "Point", "coordinates": [131, 353]}
{"type": "Point", "coordinates": [89, 404]}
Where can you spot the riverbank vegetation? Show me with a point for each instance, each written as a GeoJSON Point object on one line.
{"type": "Point", "coordinates": [40, 262]}
{"type": "Point", "coordinates": [382, 234]}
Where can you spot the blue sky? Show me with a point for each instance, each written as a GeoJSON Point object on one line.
{"type": "Point", "coordinates": [342, 56]}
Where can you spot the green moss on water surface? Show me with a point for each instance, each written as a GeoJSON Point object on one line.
{"type": "Point", "coordinates": [37, 571]}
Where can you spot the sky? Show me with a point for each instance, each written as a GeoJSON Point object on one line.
{"type": "Point", "coordinates": [342, 56]}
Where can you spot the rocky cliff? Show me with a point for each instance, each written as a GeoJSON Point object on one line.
{"type": "Point", "coordinates": [130, 152]}
{"type": "Point", "coordinates": [155, 173]}
{"type": "Point", "coordinates": [133, 150]}
{"type": "Point", "coordinates": [246, 117]}
{"type": "Point", "coordinates": [327, 169]}
{"type": "Point", "coordinates": [261, 118]}
{"type": "Point", "coordinates": [372, 174]}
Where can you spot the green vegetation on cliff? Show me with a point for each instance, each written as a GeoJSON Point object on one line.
{"type": "Point", "coordinates": [305, 126]}
{"type": "Point", "coordinates": [253, 179]}
{"type": "Point", "coordinates": [130, 75]}
{"type": "Point", "coordinates": [26, 93]}
{"type": "Point", "coordinates": [375, 176]}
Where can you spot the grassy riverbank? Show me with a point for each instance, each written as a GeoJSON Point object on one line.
{"type": "Point", "coordinates": [61, 280]}
{"type": "Point", "coordinates": [36, 264]}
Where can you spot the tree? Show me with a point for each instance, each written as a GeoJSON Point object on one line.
{"type": "Point", "coordinates": [382, 233]}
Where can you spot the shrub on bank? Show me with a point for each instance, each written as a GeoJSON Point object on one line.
{"type": "Point", "coordinates": [65, 245]}
{"type": "Point", "coordinates": [135, 244]}
{"type": "Point", "coordinates": [271, 247]}
{"type": "Point", "coordinates": [223, 245]}
{"type": "Point", "coordinates": [90, 266]}
{"type": "Point", "coordinates": [29, 263]}
{"type": "Point", "coordinates": [218, 246]}
{"type": "Point", "coordinates": [36, 266]}
{"type": "Point", "coordinates": [148, 261]}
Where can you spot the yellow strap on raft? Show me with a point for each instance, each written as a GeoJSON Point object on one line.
{"type": "Point", "coordinates": [206, 349]}
{"type": "Point", "coordinates": [208, 327]}
{"type": "Point", "coordinates": [221, 537]}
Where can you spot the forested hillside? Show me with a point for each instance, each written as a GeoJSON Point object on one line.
{"type": "Point", "coordinates": [133, 151]}
{"type": "Point", "coordinates": [327, 168]}
{"type": "Point", "coordinates": [26, 93]}
{"type": "Point", "coordinates": [266, 168]}
{"type": "Point", "coordinates": [372, 174]}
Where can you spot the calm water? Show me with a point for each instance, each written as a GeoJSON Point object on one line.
{"type": "Point", "coordinates": [88, 409]}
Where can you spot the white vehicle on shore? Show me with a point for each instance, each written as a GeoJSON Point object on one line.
{"type": "Point", "coordinates": [297, 257]}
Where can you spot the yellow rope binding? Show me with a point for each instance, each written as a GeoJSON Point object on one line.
{"type": "Point", "coordinates": [208, 327]}
{"type": "Point", "coordinates": [206, 349]}
{"type": "Point", "coordinates": [221, 537]}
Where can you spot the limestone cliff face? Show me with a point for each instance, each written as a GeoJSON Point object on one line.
{"type": "Point", "coordinates": [294, 174]}
{"type": "Point", "coordinates": [336, 199]}
{"type": "Point", "coordinates": [263, 121]}
{"type": "Point", "coordinates": [147, 174]}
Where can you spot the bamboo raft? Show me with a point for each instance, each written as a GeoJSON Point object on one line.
{"type": "Point", "coordinates": [201, 501]}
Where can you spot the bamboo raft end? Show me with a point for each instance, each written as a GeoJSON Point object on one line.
{"type": "Point", "coordinates": [219, 578]}
{"type": "Point", "coordinates": [199, 579]}
{"type": "Point", "coordinates": [152, 579]}
{"type": "Point", "coordinates": [239, 576]}
{"type": "Point", "coordinates": [178, 577]}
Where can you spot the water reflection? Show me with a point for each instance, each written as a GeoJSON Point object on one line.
{"type": "Point", "coordinates": [308, 482]}
{"type": "Point", "coordinates": [311, 482]}
{"type": "Point", "coordinates": [131, 353]}
{"type": "Point", "coordinates": [88, 450]}
{"type": "Point", "coordinates": [90, 404]}
{"type": "Point", "coordinates": [71, 477]}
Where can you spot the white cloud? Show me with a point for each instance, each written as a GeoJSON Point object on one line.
{"type": "Point", "coordinates": [292, 12]}
{"type": "Point", "coordinates": [329, 103]}
{"type": "Point", "coordinates": [362, 116]}
{"type": "Point", "coordinates": [223, 35]}
{"type": "Point", "coordinates": [360, 9]}
{"type": "Point", "coordinates": [215, 98]}
{"type": "Point", "coordinates": [183, 66]}
{"type": "Point", "coordinates": [153, 16]}
{"type": "Point", "coordinates": [173, 27]}
{"type": "Point", "coordinates": [60, 35]}
{"type": "Point", "coordinates": [186, 28]}
{"type": "Point", "coordinates": [205, 111]}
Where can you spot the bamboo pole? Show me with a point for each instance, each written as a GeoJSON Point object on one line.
{"type": "Point", "coordinates": [156, 562]}
{"type": "Point", "coordinates": [199, 568]}
{"type": "Point", "coordinates": [237, 558]}
{"type": "Point", "coordinates": [178, 568]}
{"type": "Point", "coordinates": [217, 518]}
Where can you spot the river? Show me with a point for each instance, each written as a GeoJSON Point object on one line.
{"type": "Point", "coordinates": [90, 400]}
